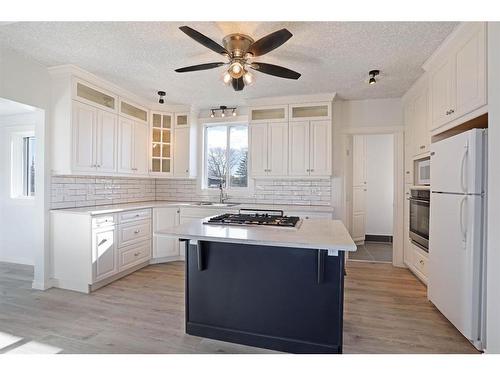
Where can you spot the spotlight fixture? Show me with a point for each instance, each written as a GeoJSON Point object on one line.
{"type": "Point", "coordinates": [373, 74]}
{"type": "Point", "coordinates": [161, 94]}
{"type": "Point", "coordinates": [223, 111]}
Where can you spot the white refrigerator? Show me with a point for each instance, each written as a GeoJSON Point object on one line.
{"type": "Point", "coordinates": [457, 231]}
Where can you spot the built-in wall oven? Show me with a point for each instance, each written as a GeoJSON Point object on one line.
{"type": "Point", "coordinates": [419, 217]}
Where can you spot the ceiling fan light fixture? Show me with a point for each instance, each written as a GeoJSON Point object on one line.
{"type": "Point", "coordinates": [226, 78]}
{"type": "Point", "coordinates": [248, 78]}
{"type": "Point", "coordinates": [236, 70]}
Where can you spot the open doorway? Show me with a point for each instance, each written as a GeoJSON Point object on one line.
{"type": "Point", "coordinates": [373, 197]}
{"type": "Point", "coordinates": [21, 188]}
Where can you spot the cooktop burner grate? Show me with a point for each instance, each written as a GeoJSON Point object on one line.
{"type": "Point", "coordinates": [256, 217]}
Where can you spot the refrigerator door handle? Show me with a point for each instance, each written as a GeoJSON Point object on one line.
{"type": "Point", "coordinates": [463, 169]}
{"type": "Point", "coordinates": [463, 227]}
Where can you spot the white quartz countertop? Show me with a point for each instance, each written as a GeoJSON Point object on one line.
{"type": "Point", "coordinates": [99, 210]}
{"type": "Point", "coordinates": [324, 234]}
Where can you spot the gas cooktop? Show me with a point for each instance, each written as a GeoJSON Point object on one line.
{"type": "Point", "coordinates": [274, 218]}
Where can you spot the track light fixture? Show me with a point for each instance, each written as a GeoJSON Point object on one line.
{"type": "Point", "coordinates": [223, 111]}
{"type": "Point", "coordinates": [162, 95]}
{"type": "Point", "coordinates": [373, 74]}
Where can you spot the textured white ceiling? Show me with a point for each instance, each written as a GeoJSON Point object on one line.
{"type": "Point", "coordinates": [142, 56]}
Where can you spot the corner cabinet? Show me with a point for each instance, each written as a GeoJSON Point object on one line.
{"type": "Point", "coordinates": [161, 144]}
{"type": "Point", "coordinates": [458, 76]}
{"type": "Point", "coordinates": [310, 139]}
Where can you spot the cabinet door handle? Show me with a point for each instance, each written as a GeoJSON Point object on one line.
{"type": "Point", "coordinates": [452, 111]}
{"type": "Point", "coordinates": [421, 262]}
{"type": "Point", "coordinates": [407, 172]}
{"type": "Point", "coordinates": [321, 266]}
{"type": "Point", "coordinates": [312, 170]}
{"type": "Point", "coordinates": [102, 242]}
{"type": "Point", "coordinates": [137, 254]}
{"type": "Point", "coordinates": [422, 147]}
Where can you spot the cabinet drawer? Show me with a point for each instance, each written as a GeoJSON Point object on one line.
{"type": "Point", "coordinates": [134, 232]}
{"type": "Point", "coordinates": [132, 255]}
{"type": "Point", "coordinates": [103, 221]}
{"type": "Point", "coordinates": [129, 216]}
{"type": "Point", "coordinates": [420, 262]}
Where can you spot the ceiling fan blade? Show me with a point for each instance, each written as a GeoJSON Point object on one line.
{"type": "Point", "coordinates": [202, 39]}
{"type": "Point", "coordinates": [238, 84]}
{"type": "Point", "coordinates": [194, 68]}
{"type": "Point", "coordinates": [275, 70]}
{"type": "Point", "coordinates": [269, 42]}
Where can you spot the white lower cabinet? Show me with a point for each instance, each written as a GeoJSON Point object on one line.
{"type": "Point", "coordinates": [104, 249]}
{"type": "Point", "coordinates": [90, 251]}
{"type": "Point", "coordinates": [165, 247]}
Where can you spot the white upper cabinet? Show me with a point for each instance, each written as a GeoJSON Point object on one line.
{"type": "Point", "coordinates": [299, 148]}
{"type": "Point", "coordinates": [84, 134]}
{"type": "Point", "coordinates": [182, 152]}
{"type": "Point", "coordinates": [133, 143]}
{"type": "Point", "coordinates": [458, 75]}
{"type": "Point", "coordinates": [420, 116]}
{"type": "Point", "coordinates": [90, 94]}
{"type": "Point", "coordinates": [310, 148]}
{"type": "Point", "coordinates": [94, 139]}
{"type": "Point", "coordinates": [269, 149]}
{"type": "Point", "coordinates": [161, 144]}
{"type": "Point", "coordinates": [310, 111]}
{"type": "Point", "coordinates": [320, 134]}
{"type": "Point", "coordinates": [107, 136]}
{"type": "Point", "coordinates": [267, 114]}
{"type": "Point", "coordinates": [182, 120]}
{"type": "Point", "coordinates": [133, 111]}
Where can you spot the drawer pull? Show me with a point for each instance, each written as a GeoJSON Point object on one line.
{"type": "Point", "coordinates": [102, 242]}
{"type": "Point", "coordinates": [137, 215]}
{"type": "Point", "coordinates": [421, 262]}
{"type": "Point", "coordinates": [137, 231]}
{"type": "Point", "coordinates": [137, 254]}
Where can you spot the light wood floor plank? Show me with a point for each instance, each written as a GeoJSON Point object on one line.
{"type": "Point", "coordinates": [386, 311]}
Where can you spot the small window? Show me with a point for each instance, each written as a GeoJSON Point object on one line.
{"type": "Point", "coordinates": [23, 165]}
{"type": "Point", "coordinates": [29, 166]}
{"type": "Point", "coordinates": [226, 156]}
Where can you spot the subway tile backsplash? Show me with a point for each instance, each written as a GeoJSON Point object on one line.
{"type": "Point", "coordinates": [76, 191]}
{"type": "Point", "coordinates": [71, 191]}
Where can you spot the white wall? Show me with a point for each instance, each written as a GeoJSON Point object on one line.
{"type": "Point", "coordinates": [380, 184]}
{"type": "Point", "coordinates": [26, 81]}
{"type": "Point", "coordinates": [17, 216]}
{"type": "Point", "coordinates": [493, 243]}
{"type": "Point", "coordinates": [371, 113]}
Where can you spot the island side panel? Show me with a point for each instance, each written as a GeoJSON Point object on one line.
{"type": "Point", "coordinates": [265, 296]}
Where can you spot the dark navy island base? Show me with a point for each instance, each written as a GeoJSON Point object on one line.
{"type": "Point", "coordinates": [281, 298]}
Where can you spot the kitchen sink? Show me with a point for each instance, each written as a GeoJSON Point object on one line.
{"type": "Point", "coordinates": [213, 204]}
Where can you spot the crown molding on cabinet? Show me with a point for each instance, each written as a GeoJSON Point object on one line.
{"type": "Point", "coordinates": [313, 98]}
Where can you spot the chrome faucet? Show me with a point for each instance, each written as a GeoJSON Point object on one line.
{"type": "Point", "coordinates": [222, 196]}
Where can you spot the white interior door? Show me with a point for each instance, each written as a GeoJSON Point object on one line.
{"type": "Point", "coordinates": [320, 148]}
{"type": "Point", "coordinates": [141, 142]}
{"type": "Point", "coordinates": [84, 136]}
{"type": "Point", "coordinates": [259, 149]}
{"type": "Point", "coordinates": [107, 127]}
{"type": "Point", "coordinates": [358, 213]}
{"type": "Point", "coordinates": [299, 148]}
{"type": "Point", "coordinates": [125, 145]}
{"type": "Point", "coordinates": [358, 229]}
{"type": "Point", "coordinates": [181, 152]}
{"type": "Point", "coordinates": [277, 149]}
{"type": "Point", "coordinates": [450, 270]}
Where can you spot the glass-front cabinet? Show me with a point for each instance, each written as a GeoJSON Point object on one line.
{"type": "Point", "coordinates": [95, 96]}
{"type": "Point", "coordinates": [161, 143]}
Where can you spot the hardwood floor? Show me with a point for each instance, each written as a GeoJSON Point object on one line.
{"type": "Point", "coordinates": [386, 311]}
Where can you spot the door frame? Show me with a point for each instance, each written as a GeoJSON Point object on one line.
{"type": "Point", "coordinates": [398, 197]}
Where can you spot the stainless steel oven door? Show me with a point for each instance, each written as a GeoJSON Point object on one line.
{"type": "Point", "coordinates": [419, 222]}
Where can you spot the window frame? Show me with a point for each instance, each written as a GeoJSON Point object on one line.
{"type": "Point", "coordinates": [18, 165]}
{"type": "Point", "coordinates": [235, 191]}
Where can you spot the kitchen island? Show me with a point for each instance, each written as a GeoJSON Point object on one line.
{"type": "Point", "coordinates": [270, 287]}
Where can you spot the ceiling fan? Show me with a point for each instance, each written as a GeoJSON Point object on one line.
{"type": "Point", "coordinates": [240, 49]}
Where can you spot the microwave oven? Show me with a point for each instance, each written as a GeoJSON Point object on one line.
{"type": "Point", "coordinates": [423, 171]}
